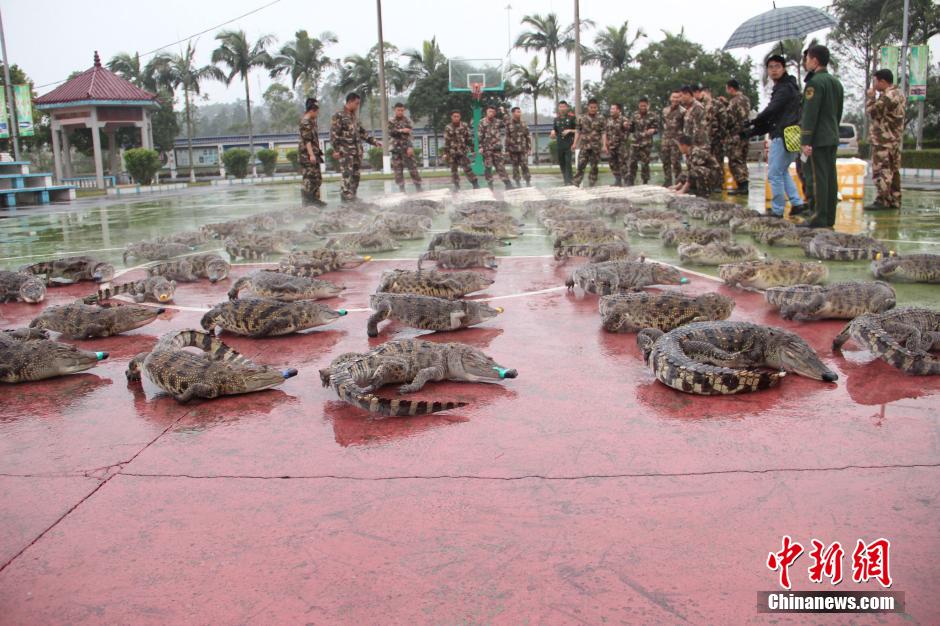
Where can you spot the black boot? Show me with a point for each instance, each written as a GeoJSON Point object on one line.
{"type": "Point", "coordinates": [489, 184]}
{"type": "Point", "coordinates": [618, 182]}
{"type": "Point", "coordinates": [742, 190]}
{"type": "Point", "coordinates": [456, 186]}
{"type": "Point", "coordinates": [418, 187]}
{"type": "Point", "coordinates": [476, 184]}
{"type": "Point", "coordinates": [528, 182]}
{"type": "Point", "coordinates": [509, 184]}
{"type": "Point", "coordinates": [401, 188]}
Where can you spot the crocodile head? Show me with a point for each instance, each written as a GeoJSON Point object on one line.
{"type": "Point", "coordinates": [255, 378]}
{"type": "Point", "coordinates": [129, 317]}
{"type": "Point", "coordinates": [32, 290]}
{"type": "Point", "coordinates": [666, 275]}
{"type": "Point", "coordinates": [217, 269]}
{"type": "Point", "coordinates": [315, 314]}
{"type": "Point", "coordinates": [789, 352]}
{"type": "Point", "coordinates": [882, 297]}
{"type": "Point", "coordinates": [469, 364]}
{"type": "Point", "coordinates": [719, 307]}
{"type": "Point", "coordinates": [350, 260]}
{"type": "Point", "coordinates": [475, 281]}
{"type": "Point", "coordinates": [103, 273]}
{"type": "Point", "coordinates": [163, 289]}
{"type": "Point", "coordinates": [478, 312]}
{"type": "Point", "coordinates": [59, 359]}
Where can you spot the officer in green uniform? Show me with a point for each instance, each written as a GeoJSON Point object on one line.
{"type": "Point", "coordinates": [822, 112]}
{"type": "Point", "coordinates": [563, 131]}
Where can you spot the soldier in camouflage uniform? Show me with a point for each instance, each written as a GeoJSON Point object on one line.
{"type": "Point", "coordinates": [618, 149]}
{"type": "Point", "coordinates": [700, 166]}
{"type": "Point", "coordinates": [886, 132]}
{"type": "Point", "coordinates": [519, 147]}
{"type": "Point", "coordinates": [490, 134]}
{"type": "Point", "coordinates": [403, 154]}
{"type": "Point", "coordinates": [457, 144]}
{"type": "Point", "coordinates": [591, 136]}
{"type": "Point", "coordinates": [715, 120]}
{"type": "Point", "coordinates": [669, 148]}
{"type": "Point", "coordinates": [309, 155]}
{"type": "Point", "coordinates": [643, 125]}
{"type": "Point", "coordinates": [346, 137]}
{"type": "Point", "coordinates": [693, 123]}
{"type": "Point", "coordinates": [737, 120]}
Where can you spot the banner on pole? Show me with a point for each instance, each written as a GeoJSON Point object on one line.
{"type": "Point", "coordinates": [4, 124]}
{"type": "Point", "coordinates": [890, 58]}
{"type": "Point", "coordinates": [23, 96]}
{"type": "Point", "coordinates": [919, 59]}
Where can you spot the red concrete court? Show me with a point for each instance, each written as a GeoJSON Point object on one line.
{"type": "Point", "coordinates": [581, 492]}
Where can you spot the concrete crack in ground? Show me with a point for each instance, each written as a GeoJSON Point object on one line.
{"type": "Point", "coordinates": [534, 476]}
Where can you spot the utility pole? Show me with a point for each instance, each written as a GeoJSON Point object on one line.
{"type": "Point", "coordinates": [383, 100]}
{"type": "Point", "coordinates": [11, 104]}
{"type": "Point", "coordinates": [904, 46]}
{"type": "Point", "coordinates": [577, 58]}
{"type": "Point", "coordinates": [508, 32]}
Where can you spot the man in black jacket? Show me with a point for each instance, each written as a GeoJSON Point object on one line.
{"type": "Point", "coordinates": [782, 111]}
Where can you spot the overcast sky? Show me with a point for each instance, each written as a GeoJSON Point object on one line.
{"type": "Point", "coordinates": [51, 39]}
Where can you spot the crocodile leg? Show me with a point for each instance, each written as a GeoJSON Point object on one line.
{"type": "Point", "coordinates": [95, 330]}
{"type": "Point", "coordinates": [456, 319]}
{"type": "Point", "coordinates": [280, 325]}
{"type": "Point", "coordinates": [842, 337]}
{"type": "Point", "coordinates": [197, 390]}
{"type": "Point", "coordinates": [645, 340]}
{"type": "Point", "coordinates": [381, 313]}
{"type": "Point", "coordinates": [435, 372]}
{"type": "Point", "coordinates": [908, 335]}
{"type": "Point", "coordinates": [391, 369]}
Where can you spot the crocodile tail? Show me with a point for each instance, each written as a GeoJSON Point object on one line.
{"type": "Point", "coordinates": [107, 293]}
{"type": "Point", "coordinates": [882, 344]}
{"type": "Point", "coordinates": [45, 267]}
{"type": "Point", "coordinates": [237, 287]}
{"type": "Point", "coordinates": [216, 349]}
{"type": "Point", "coordinates": [674, 369]}
{"type": "Point", "coordinates": [348, 391]}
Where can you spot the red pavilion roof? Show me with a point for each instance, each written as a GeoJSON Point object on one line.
{"type": "Point", "coordinates": [96, 84]}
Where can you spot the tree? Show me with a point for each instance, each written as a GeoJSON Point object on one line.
{"type": "Point", "coordinates": [41, 123]}
{"type": "Point", "coordinates": [422, 63]}
{"type": "Point", "coordinates": [240, 57]}
{"type": "Point", "coordinates": [613, 48]}
{"type": "Point", "coordinates": [547, 37]}
{"type": "Point", "coordinates": [142, 164]}
{"type": "Point", "coordinates": [165, 123]}
{"type": "Point", "coordinates": [304, 60]}
{"type": "Point", "coordinates": [431, 99]}
{"type": "Point", "coordinates": [151, 77]}
{"type": "Point", "coordinates": [531, 80]}
{"type": "Point", "coordinates": [792, 51]}
{"type": "Point", "coordinates": [181, 71]}
{"type": "Point", "coordinates": [666, 64]}
{"type": "Point", "coordinates": [283, 109]}
{"type": "Point", "coordinates": [361, 74]}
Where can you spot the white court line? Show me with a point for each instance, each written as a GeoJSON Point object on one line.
{"type": "Point", "coordinates": [33, 256]}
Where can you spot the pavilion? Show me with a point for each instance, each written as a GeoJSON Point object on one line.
{"type": "Point", "coordinates": [96, 99]}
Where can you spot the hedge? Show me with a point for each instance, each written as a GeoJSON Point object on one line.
{"type": "Point", "coordinates": [142, 165]}
{"type": "Point", "coordinates": [921, 159]}
{"type": "Point", "coordinates": [268, 160]}
{"type": "Point", "coordinates": [236, 162]}
{"type": "Point", "coordinates": [293, 156]}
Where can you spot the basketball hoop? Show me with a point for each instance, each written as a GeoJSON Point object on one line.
{"type": "Point", "coordinates": [476, 90]}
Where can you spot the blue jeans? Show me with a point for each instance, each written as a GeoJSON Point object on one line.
{"type": "Point", "coordinates": [781, 183]}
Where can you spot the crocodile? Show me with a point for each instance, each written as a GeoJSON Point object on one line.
{"type": "Point", "coordinates": [487, 227]}
{"type": "Point", "coordinates": [218, 371]}
{"type": "Point", "coordinates": [609, 206]}
{"type": "Point", "coordinates": [913, 268]}
{"type": "Point", "coordinates": [833, 301]}
{"type": "Point", "coordinates": [191, 238]}
{"type": "Point", "coordinates": [610, 277]}
{"type": "Point", "coordinates": [155, 251]}
{"type": "Point", "coordinates": [632, 312]}
{"type": "Point", "coordinates": [699, 210]}
{"type": "Point", "coordinates": [431, 283]}
{"type": "Point", "coordinates": [653, 227]}
{"type": "Point", "coordinates": [756, 223]}
{"type": "Point", "coordinates": [678, 235]}
{"type": "Point", "coordinates": [766, 273]}
{"type": "Point", "coordinates": [256, 246]}
{"type": "Point", "coordinates": [311, 263]}
{"type": "Point", "coordinates": [27, 355]}
{"type": "Point", "coordinates": [460, 259]}
{"type": "Point", "coordinates": [84, 321]}
{"type": "Point", "coordinates": [355, 376]}
{"type": "Point", "coordinates": [459, 240]}
{"type": "Point", "coordinates": [210, 265]}
{"type": "Point", "coordinates": [832, 246]}
{"type": "Point", "coordinates": [786, 234]}
{"type": "Point", "coordinates": [722, 358]}
{"type": "Point", "coordinates": [717, 253]}
{"type": "Point", "coordinates": [284, 287]}
{"type": "Point", "coordinates": [154, 289]}
{"type": "Point", "coordinates": [558, 227]}
{"type": "Point", "coordinates": [73, 269]}
{"type": "Point", "coordinates": [647, 214]}
{"type": "Point", "coordinates": [331, 223]}
{"type": "Point", "coordinates": [597, 252]}
{"type": "Point", "coordinates": [419, 206]}
{"type": "Point", "coordinates": [724, 216]}
{"type": "Point", "coordinates": [592, 235]}
{"type": "Point", "coordinates": [427, 312]}
{"type": "Point", "coordinates": [402, 226]}
{"type": "Point", "coordinates": [903, 338]}
{"type": "Point", "coordinates": [263, 317]}
{"type": "Point", "coordinates": [370, 240]}
{"type": "Point", "coordinates": [685, 203]}
{"type": "Point", "coordinates": [22, 287]}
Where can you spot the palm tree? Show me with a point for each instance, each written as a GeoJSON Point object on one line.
{"type": "Point", "coordinates": [614, 48]}
{"type": "Point", "coordinates": [240, 57]}
{"type": "Point", "coordinates": [150, 76]}
{"type": "Point", "coordinates": [422, 63]}
{"type": "Point", "coordinates": [546, 36]}
{"type": "Point", "coordinates": [531, 80]}
{"type": "Point", "coordinates": [792, 51]}
{"type": "Point", "coordinates": [180, 71]}
{"type": "Point", "coordinates": [304, 59]}
{"type": "Point", "coordinates": [361, 74]}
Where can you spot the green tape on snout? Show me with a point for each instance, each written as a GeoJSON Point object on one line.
{"type": "Point", "coordinates": [501, 371]}
{"type": "Point", "coordinates": [683, 280]}
{"type": "Point", "coordinates": [342, 311]}
{"type": "Point", "coordinates": [101, 356]}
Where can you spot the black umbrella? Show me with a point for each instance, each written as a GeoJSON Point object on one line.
{"type": "Point", "coordinates": [779, 24]}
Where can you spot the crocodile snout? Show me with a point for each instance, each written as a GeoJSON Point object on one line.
{"type": "Point", "coordinates": [289, 372]}
{"type": "Point", "coordinates": [830, 377]}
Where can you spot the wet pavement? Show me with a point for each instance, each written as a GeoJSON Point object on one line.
{"type": "Point", "coordinates": [581, 492]}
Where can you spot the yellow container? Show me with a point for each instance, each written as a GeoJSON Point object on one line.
{"type": "Point", "coordinates": [850, 174]}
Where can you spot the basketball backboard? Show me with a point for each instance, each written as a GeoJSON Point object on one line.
{"type": "Point", "coordinates": [465, 73]}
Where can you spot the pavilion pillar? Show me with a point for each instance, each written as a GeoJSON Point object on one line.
{"type": "Point", "coordinates": [146, 132]}
{"type": "Point", "coordinates": [57, 153]}
{"type": "Point", "coordinates": [66, 153]}
{"type": "Point", "coordinates": [96, 144]}
{"type": "Point", "coordinates": [112, 153]}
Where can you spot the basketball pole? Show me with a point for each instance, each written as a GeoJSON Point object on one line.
{"type": "Point", "coordinates": [383, 100]}
{"type": "Point", "coordinates": [14, 124]}
{"type": "Point", "coordinates": [577, 58]}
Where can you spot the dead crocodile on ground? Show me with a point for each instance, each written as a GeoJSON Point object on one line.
{"type": "Point", "coordinates": [284, 287]}
{"type": "Point", "coordinates": [21, 287]}
{"type": "Point", "coordinates": [632, 312]}
{"type": "Point", "coordinates": [28, 355]}
{"type": "Point", "coordinates": [833, 301]}
{"type": "Point", "coordinates": [767, 273]}
{"type": "Point", "coordinates": [427, 312]}
{"type": "Point", "coordinates": [433, 283]}
{"type": "Point", "coordinates": [262, 317]}
{"type": "Point", "coordinates": [85, 321]}
{"type": "Point", "coordinates": [904, 338]}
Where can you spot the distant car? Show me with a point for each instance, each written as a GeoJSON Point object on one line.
{"type": "Point", "coordinates": [848, 140]}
